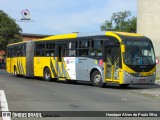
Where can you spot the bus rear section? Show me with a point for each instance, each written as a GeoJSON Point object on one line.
{"type": "Point", "coordinates": [16, 59]}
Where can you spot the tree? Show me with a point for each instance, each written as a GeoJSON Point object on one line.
{"type": "Point", "coordinates": [10, 32]}
{"type": "Point", "coordinates": [120, 21]}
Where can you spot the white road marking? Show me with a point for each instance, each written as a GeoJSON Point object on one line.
{"type": "Point", "coordinates": [124, 99]}
{"type": "Point", "coordinates": [4, 105]}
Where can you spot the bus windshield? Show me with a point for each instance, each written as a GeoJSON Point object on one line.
{"type": "Point", "coordinates": [139, 52]}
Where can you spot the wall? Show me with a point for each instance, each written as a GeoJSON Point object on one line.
{"type": "Point", "coordinates": [148, 24]}
{"type": "Point", "coordinates": [26, 38]}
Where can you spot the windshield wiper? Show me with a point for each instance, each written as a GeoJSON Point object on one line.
{"type": "Point", "coordinates": [147, 59]}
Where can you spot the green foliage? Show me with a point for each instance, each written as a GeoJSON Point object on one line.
{"type": "Point", "coordinates": [120, 22]}
{"type": "Point", "coordinates": [10, 32]}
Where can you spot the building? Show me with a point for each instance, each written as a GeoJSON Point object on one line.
{"type": "Point", "coordinates": [25, 37]}
{"type": "Point", "coordinates": [148, 24]}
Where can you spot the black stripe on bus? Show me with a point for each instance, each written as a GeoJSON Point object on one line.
{"type": "Point", "coordinates": [18, 66]}
{"type": "Point", "coordinates": [52, 68]}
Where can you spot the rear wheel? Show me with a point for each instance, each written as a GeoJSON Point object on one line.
{"type": "Point", "coordinates": [47, 74]}
{"type": "Point", "coordinates": [96, 79]}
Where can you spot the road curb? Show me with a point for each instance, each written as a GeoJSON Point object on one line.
{"type": "Point", "coordinates": [157, 82]}
{"type": "Point", "coordinates": [155, 93]}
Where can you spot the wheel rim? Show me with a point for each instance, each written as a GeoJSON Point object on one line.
{"type": "Point", "coordinates": [97, 78]}
{"type": "Point", "coordinates": [47, 75]}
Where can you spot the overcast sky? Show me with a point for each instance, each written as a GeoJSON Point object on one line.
{"type": "Point", "coordinates": [65, 16]}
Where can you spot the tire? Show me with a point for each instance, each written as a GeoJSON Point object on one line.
{"type": "Point", "coordinates": [96, 79]}
{"type": "Point", "coordinates": [47, 74]}
{"type": "Point", "coordinates": [123, 85]}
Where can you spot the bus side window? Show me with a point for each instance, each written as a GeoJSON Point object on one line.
{"type": "Point", "coordinates": [84, 48]}
{"type": "Point", "coordinates": [11, 52]}
{"type": "Point", "coordinates": [72, 53]}
{"type": "Point", "coordinates": [52, 53]}
{"type": "Point", "coordinates": [42, 52]}
{"type": "Point", "coordinates": [96, 48]}
{"type": "Point", "coordinates": [47, 53]}
{"type": "Point", "coordinates": [73, 49]}
{"type": "Point", "coordinates": [40, 49]}
{"type": "Point", "coordinates": [20, 50]}
{"type": "Point", "coordinates": [50, 49]}
{"type": "Point", "coordinates": [83, 52]}
{"type": "Point", "coordinates": [15, 51]}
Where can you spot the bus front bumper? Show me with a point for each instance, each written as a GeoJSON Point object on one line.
{"type": "Point", "coordinates": [127, 79]}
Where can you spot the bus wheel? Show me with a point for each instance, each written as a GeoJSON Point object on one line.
{"type": "Point", "coordinates": [15, 72]}
{"type": "Point", "coordinates": [96, 79]}
{"type": "Point", "coordinates": [123, 85]}
{"type": "Point", "coordinates": [47, 74]}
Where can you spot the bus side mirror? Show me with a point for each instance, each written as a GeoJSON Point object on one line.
{"type": "Point", "coordinates": [123, 48]}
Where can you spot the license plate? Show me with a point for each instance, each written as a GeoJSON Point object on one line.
{"type": "Point", "coordinates": [142, 80]}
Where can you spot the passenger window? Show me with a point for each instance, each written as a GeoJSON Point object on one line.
{"type": "Point", "coordinates": [96, 48]}
{"type": "Point", "coordinates": [73, 49]}
{"type": "Point", "coordinates": [84, 48]}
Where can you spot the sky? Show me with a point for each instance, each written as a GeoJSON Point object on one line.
{"type": "Point", "coordinates": [52, 17]}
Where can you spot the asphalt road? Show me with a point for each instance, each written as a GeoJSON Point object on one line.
{"type": "Point", "coordinates": [28, 94]}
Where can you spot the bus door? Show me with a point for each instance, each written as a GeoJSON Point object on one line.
{"type": "Point", "coordinates": [61, 50]}
{"type": "Point", "coordinates": [112, 62]}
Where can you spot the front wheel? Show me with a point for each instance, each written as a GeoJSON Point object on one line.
{"type": "Point", "coordinates": [96, 79]}
{"type": "Point", "coordinates": [47, 74]}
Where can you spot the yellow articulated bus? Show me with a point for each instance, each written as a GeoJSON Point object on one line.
{"type": "Point", "coordinates": [104, 57]}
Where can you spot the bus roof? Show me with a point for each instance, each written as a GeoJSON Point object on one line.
{"type": "Point", "coordinates": [61, 36]}
{"type": "Point", "coordinates": [78, 35]}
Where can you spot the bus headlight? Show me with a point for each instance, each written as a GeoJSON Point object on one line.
{"type": "Point", "coordinates": [154, 73]}
{"type": "Point", "coordinates": [127, 74]}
